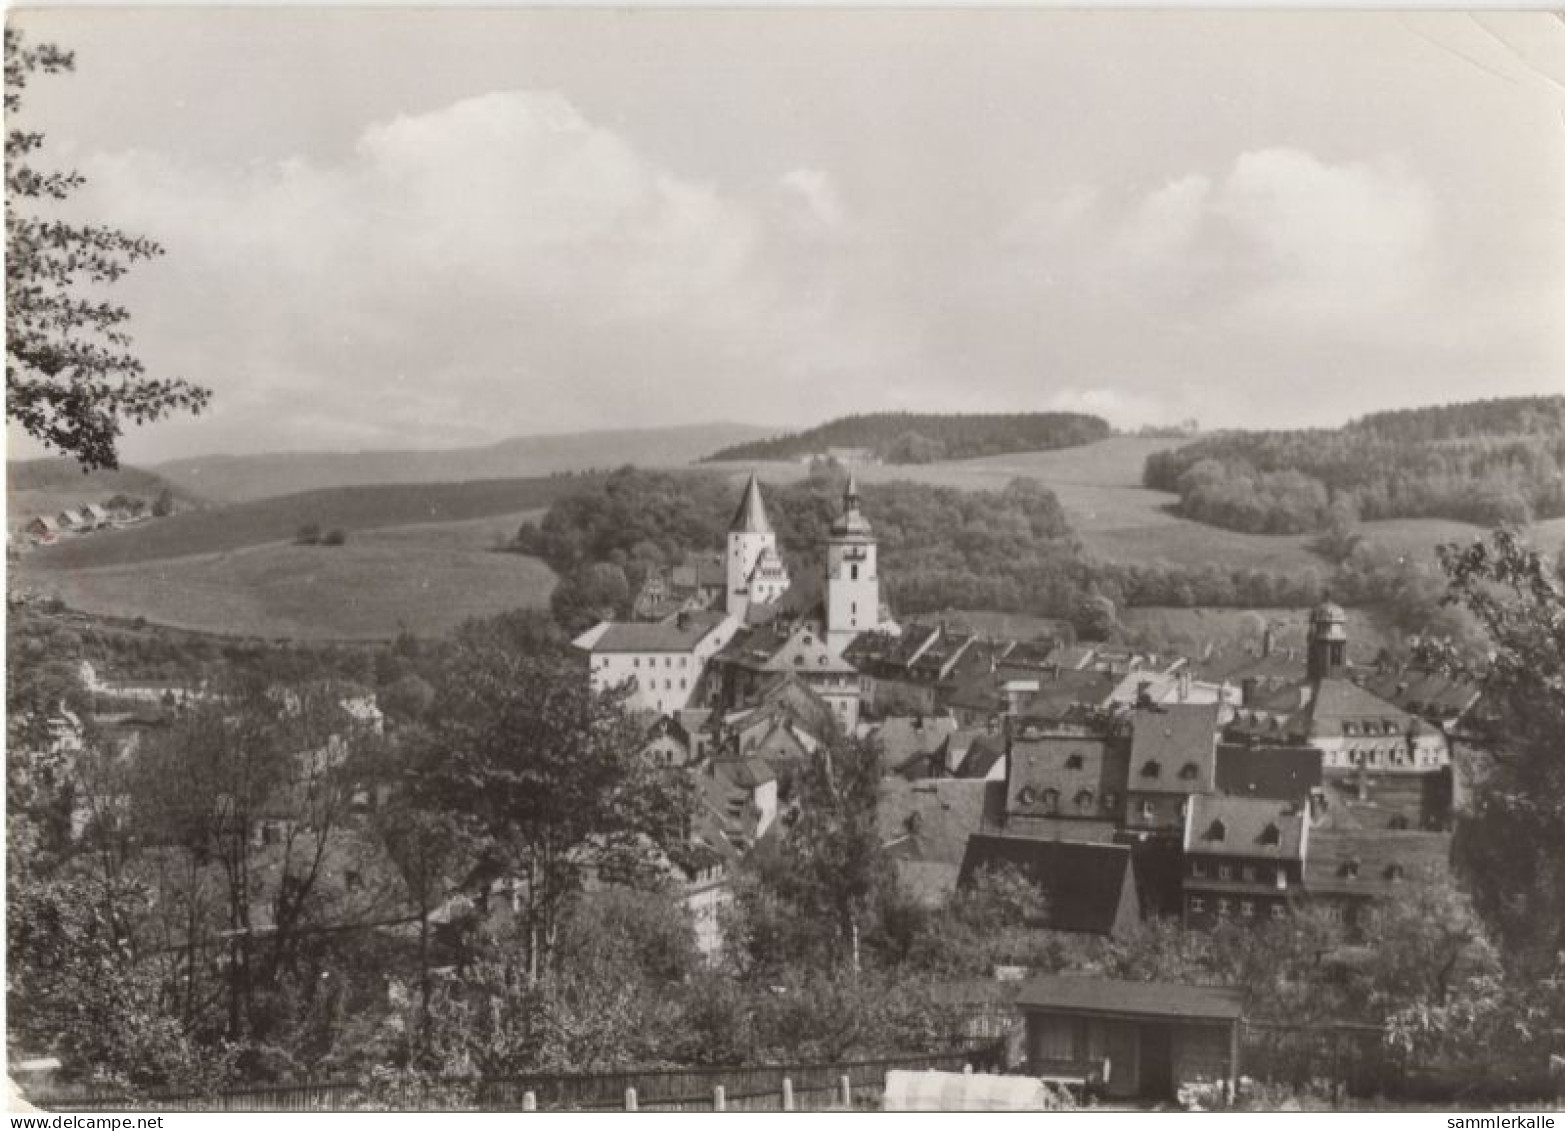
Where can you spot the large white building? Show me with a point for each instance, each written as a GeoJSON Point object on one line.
{"type": "Point", "coordinates": [667, 660]}
{"type": "Point", "coordinates": [664, 662]}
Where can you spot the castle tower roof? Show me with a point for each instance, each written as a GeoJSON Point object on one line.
{"type": "Point", "coordinates": [751, 518]}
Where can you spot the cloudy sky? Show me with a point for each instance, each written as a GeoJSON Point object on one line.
{"type": "Point", "coordinates": [434, 229]}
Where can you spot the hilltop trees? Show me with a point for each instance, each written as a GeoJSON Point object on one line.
{"type": "Point", "coordinates": [1488, 462]}
{"type": "Point", "coordinates": [71, 379]}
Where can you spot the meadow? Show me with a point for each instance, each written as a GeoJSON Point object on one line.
{"type": "Point", "coordinates": [424, 579]}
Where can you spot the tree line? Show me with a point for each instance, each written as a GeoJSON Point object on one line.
{"type": "Point", "coordinates": [1011, 550]}
{"type": "Point", "coordinates": [907, 437]}
{"type": "Point", "coordinates": [1489, 462]}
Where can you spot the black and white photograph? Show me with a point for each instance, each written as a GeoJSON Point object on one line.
{"type": "Point", "coordinates": [785, 559]}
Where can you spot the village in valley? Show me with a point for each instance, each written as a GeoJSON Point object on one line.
{"type": "Point", "coordinates": [432, 708]}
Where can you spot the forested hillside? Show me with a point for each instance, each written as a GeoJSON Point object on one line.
{"type": "Point", "coordinates": [1008, 550]}
{"type": "Point", "coordinates": [904, 437]}
{"type": "Point", "coordinates": [1488, 462]}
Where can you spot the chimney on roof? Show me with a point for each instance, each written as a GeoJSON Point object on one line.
{"type": "Point", "coordinates": [682, 620]}
{"type": "Point", "coordinates": [1267, 640]}
{"type": "Point", "coordinates": [1247, 693]}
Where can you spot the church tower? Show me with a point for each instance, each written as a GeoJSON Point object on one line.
{"type": "Point", "coordinates": [852, 585]}
{"type": "Point", "coordinates": [750, 537]}
{"type": "Point", "coordinates": [1328, 643]}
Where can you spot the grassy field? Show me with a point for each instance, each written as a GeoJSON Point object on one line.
{"type": "Point", "coordinates": [1191, 630]}
{"type": "Point", "coordinates": [226, 529]}
{"type": "Point", "coordinates": [425, 579]}
{"type": "Point", "coordinates": [1099, 485]}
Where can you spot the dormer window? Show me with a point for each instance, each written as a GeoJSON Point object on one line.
{"type": "Point", "coordinates": [1350, 728]}
{"type": "Point", "coordinates": [1394, 872]}
{"type": "Point", "coordinates": [1073, 761]}
{"type": "Point", "coordinates": [1349, 870]}
{"type": "Point", "coordinates": [1151, 770]}
{"type": "Point", "coordinates": [1028, 795]}
{"type": "Point", "coordinates": [1217, 831]}
{"type": "Point", "coordinates": [1271, 834]}
{"type": "Point", "coordinates": [1051, 798]}
{"type": "Point", "coordinates": [1084, 799]}
{"type": "Point", "coordinates": [1189, 771]}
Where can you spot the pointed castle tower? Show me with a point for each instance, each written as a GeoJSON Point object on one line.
{"type": "Point", "coordinates": [852, 583]}
{"type": "Point", "coordinates": [752, 554]}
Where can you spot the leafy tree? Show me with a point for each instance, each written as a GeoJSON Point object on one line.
{"type": "Point", "coordinates": [550, 772]}
{"type": "Point", "coordinates": [309, 534]}
{"type": "Point", "coordinates": [334, 538]}
{"type": "Point", "coordinates": [163, 505]}
{"type": "Point", "coordinates": [833, 867]}
{"type": "Point", "coordinates": [71, 380]}
{"type": "Point", "coordinates": [1509, 842]}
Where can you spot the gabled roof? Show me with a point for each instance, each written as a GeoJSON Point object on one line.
{"type": "Point", "coordinates": [1130, 999]}
{"type": "Point", "coordinates": [904, 736]}
{"type": "Point", "coordinates": [1173, 748]}
{"type": "Point", "coordinates": [750, 518]}
{"type": "Point", "coordinates": [678, 634]}
{"type": "Point", "coordinates": [1361, 862]}
{"type": "Point", "coordinates": [1276, 773]}
{"type": "Point", "coordinates": [1246, 826]}
{"type": "Point", "coordinates": [1339, 702]}
{"type": "Point", "coordinates": [1064, 775]}
{"type": "Point", "coordinates": [1088, 888]}
{"type": "Point", "coordinates": [982, 753]}
{"type": "Point", "coordinates": [932, 820]}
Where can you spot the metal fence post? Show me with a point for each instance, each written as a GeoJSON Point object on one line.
{"type": "Point", "coordinates": [787, 1094]}
{"type": "Point", "coordinates": [718, 1103]}
{"type": "Point", "coordinates": [529, 1102]}
{"type": "Point", "coordinates": [630, 1099]}
{"type": "Point", "coordinates": [847, 1091]}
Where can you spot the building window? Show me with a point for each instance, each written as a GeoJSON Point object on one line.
{"type": "Point", "coordinates": [1247, 908]}
{"type": "Point", "coordinates": [1198, 869]}
{"type": "Point", "coordinates": [1216, 831]}
{"type": "Point", "coordinates": [1278, 911]}
{"type": "Point", "coordinates": [1151, 770]}
{"type": "Point", "coordinates": [1188, 771]}
{"type": "Point", "coordinates": [1223, 908]}
{"type": "Point", "coordinates": [1271, 834]}
{"type": "Point", "coordinates": [1225, 872]}
{"type": "Point", "coordinates": [1073, 762]}
{"type": "Point", "coordinates": [1147, 812]}
{"type": "Point", "coordinates": [1248, 872]}
{"type": "Point", "coordinates": [636, 662]}
{"type": "Point", "coordinates": [1197, 905]}
{"type": "Point", "coordinates": [854, 573]}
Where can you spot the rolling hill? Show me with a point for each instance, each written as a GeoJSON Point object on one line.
{"type": "Point", "coordinates": [48, 486]}
{"type": "Point", "coordinates": [921, 438]}
{"type": "Point", "coordinates": [242, 478]}
{"type": "Point", "coordinates": [352, 509]}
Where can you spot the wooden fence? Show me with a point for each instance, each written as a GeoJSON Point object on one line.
{"type": "Point", "coordinates": [811, 1087]}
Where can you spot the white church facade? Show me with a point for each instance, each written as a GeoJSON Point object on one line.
{"type": "Point", "coordinates": [667, 661]}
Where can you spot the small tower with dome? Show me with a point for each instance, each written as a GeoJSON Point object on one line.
{"type": "Point", "coordinates": [1328, 643]}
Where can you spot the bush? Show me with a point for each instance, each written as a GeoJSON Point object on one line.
{"type": "Point", "coordinates": [334, 538]}
{"type": "Point", "coordinates": [309, 534]}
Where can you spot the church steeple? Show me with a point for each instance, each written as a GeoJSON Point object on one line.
{"type": "Point", "coordinates": [751, 518]}
{"type": "Point", "coordinates": [852, 585]}
{"type": "Point", "coordinates": [851, 523]}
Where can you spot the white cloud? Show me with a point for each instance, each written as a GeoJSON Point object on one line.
{"type": "Point", "coordinates": [815, 189]}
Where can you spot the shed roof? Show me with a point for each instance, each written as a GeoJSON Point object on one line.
{"type": "Point", "coordinates": [1131, 999]}
{"type": "Point", "coordinates": [1173, 748]}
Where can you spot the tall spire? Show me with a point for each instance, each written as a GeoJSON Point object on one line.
{"type": "Point", "coordinates": [750, 518]}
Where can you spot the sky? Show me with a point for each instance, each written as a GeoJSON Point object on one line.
{"type": "Point", "coordinates": [389, 229]}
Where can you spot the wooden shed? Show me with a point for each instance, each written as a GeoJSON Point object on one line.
{"type": "Point", "coordinates": [1154, 1036]}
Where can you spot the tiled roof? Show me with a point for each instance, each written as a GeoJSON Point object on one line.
{"type": "Point", "coordinates": [982, 753]}
{"type": "Point", "coordinates": [1338, 702]}
{"type": "Point", "coordinates": [1246, 826]}
{"type": "Point", "coordinates": [1087, 888]}
{"type": "Point", "coordinates": [1062, 775]}
{"type": "Point", "coordinates": [1131, 999]}
{"type": "Point", "coordinates": [903, 736]}
{"type": "Point", "coordinates": [1362, 862]}
{"type": "Point", "coordinates": [1173, 748]}
{"type": "Point", "coordinates": [677, 635]}
{"type": "Point", "coordinates": [1424, 692]}
{"type": "Point", "coordinates": [931, 820]}
{"type": "Point", "coordinates": [1057, 694]}
{"type": "Point", "coordinates": [1277, 773]}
